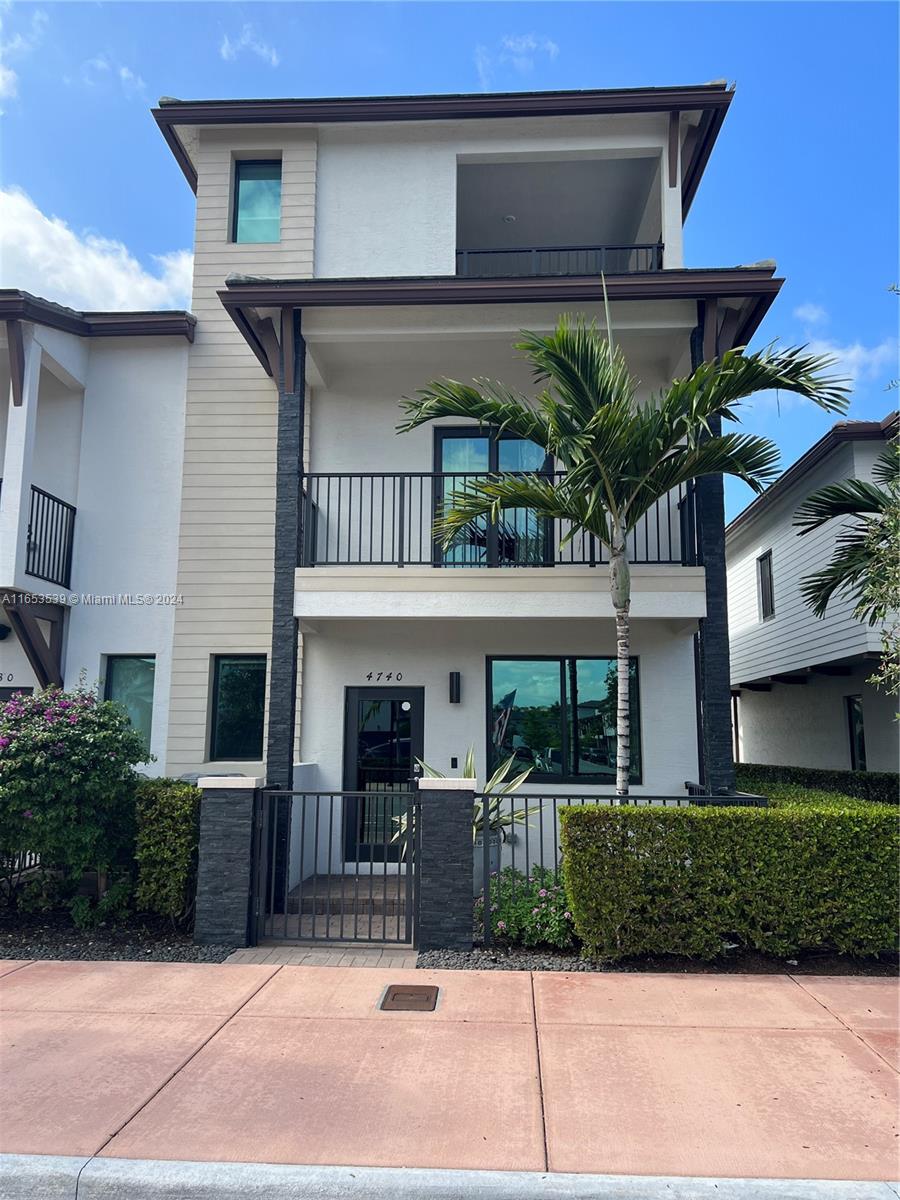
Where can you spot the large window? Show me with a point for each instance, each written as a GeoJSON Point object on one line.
{"type": "Point", "coordinates": [558, 716]}
{"type": "Point", "coordinates": [129, 681]}
{"type": "Point", "coordinates": [766, 586]}
{"type": "Point", "coordinates": [257, 202]}
{"type": "Point", "coordinates": [238, 705]}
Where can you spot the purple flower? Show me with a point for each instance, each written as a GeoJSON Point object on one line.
{"type": "Point", "coordinates": [568, 916]}
{"type": "Point", "coordinates": [28, 814]}
{"type": "Point", "coordinates": [4, 742]}
{"type": "Point", "coordinates": [542, 893]}
{"type": "Point", "coordinates": [535, 910]}
{"type": "Point", "coordinates": [73, 718]}
{"type": "Point", "coordinates": [501, 924]}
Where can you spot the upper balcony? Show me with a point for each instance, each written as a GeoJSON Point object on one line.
{"type": "Point", "coordinates": [559, 216]}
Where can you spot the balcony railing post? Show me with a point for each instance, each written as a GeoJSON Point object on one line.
{"type": "Point", "coordinates": [401, 520]}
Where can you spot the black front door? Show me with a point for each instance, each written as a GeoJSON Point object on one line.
{"type": "Point", "coordinates": [383, 737]}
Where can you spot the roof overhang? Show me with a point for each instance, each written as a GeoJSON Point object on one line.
{"type": "Point", "coordinates": [708, 101]}
{"type": "Point", "coordinates": [16, 305]}
{"type": "Point", "coordinates": [751, 291]}
{"type": "Point", "coordinates": [843, 431]}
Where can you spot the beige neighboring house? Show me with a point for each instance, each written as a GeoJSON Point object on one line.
{"type": "Point", "coordinates": [800, 696]}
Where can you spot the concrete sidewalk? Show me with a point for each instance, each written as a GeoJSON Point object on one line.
{"type": "Point", "coordinates": [712, 1076]}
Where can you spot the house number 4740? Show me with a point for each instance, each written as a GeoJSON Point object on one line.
{"type": "Point", "coordinates": [377, 676]}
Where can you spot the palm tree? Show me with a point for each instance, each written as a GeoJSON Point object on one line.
{"type": "Point", "coordinates": [619, 457]}
{"type": "Point", "coordinates": [865, 548]}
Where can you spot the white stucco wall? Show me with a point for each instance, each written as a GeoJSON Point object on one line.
{"type": "Point", "coordinates": [386, 195]}
{"type": "Point", "coordinates": [340, 654]}
{"type": "Point", "coordinates": [806, 725]}
{"type": "Point", "coordinates": [126, 530]}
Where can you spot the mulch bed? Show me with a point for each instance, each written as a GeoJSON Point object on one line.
{"type": "Point", "coordinates": [515, 958]}
{"type": "Point", "coordinates": [147, 940]}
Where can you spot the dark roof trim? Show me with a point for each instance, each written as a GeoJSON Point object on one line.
{"type": "Point", "coordinates": [451, 289]}
{"type": "Point", "coordinates": [844, 431]}
{"type": "Point", "coordinates": [756, 285]}
{"type": "Point", "coordinates": [712, 99]}
{"type": "Point", "coordinates": [16, 305]}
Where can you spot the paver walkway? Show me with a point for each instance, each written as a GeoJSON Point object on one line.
{"type": "Point", "coordinates": [327, 954]}
{"type": "Point", "coordinates": [690, 1075]}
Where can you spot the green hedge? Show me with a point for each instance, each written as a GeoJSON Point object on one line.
{"type": "Point", "coordinates": [168, 815]}
{"type": "Point", "coordinates": [883, 786]}
{"type": "Point", "coordinates": [687, 881]}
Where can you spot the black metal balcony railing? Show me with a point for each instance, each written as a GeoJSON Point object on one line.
{"type": "Point", "coordinates": [51, 528]}
{"type": "Point", "coordinates": [352, 519]}
{"type": "Point", "coordinates": [559, 260]}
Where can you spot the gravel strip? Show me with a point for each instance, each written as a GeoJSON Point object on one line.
{"type": "Point", "coordinates": [57, 939]}
{"type": "Point", "coordinates": [514, 958]}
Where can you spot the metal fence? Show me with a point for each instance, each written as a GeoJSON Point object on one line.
{"type": "Point", "coordinates": [335, 866]}
{"type": "Point", "coordinates": [520, 834]}
{"type": "Point", "coordinates": [521, 261]}
{"type": "Point", "coordinates": [388, 519]}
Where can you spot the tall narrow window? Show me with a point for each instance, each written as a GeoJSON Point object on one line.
{"type": "Point", "coordinates": [857, 733]}
{"type": "Point", "coordinates": [257, 202]}
{"type": "Point", "coordinates": [238, 705]}
{"type": "Point", "coordinates": [766, 587]}
{"type": "Point", "coordinates": [129, 681]}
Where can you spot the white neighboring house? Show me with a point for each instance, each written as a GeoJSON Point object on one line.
{"type": "Point", "coordinates": [799, 690]}
{"type": "Point", "coordinates": [91, 437]}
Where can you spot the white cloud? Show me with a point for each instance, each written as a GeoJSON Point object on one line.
{"type": "Point", "coordinates": [97, 71]}
{"type": "Point", "coordinates": [248, 40]}
{"type": "Point", "coordinates": [522, 48]}
{"type": "Point", "coordinates": [811, 314]}
{"type": "Point", "coordinates": [18, 46]}
{"type": "Point", "coordinates": [859, 363]}
{"type": "Point", "coordinates": [517, 50]}
{"type": "Point", "coordinates": [43, 255]}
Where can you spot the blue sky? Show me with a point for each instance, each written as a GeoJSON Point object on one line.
{"type": "Point", "coordinates": [805, 170]}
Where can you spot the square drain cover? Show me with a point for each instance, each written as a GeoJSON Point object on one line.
{"type": "Point", "coordinates": [410, 997]}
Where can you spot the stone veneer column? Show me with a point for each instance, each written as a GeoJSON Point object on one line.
{"type": "Point", "coordinates": [225, 860]}
{"type": "Point", "coordinates": [445, 864]}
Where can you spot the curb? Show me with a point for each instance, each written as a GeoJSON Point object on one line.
{"type": "Point", "coordinates": [50, 1177]}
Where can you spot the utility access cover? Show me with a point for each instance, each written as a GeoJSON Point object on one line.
{"type": "Point", "coordinates": [410, 997]}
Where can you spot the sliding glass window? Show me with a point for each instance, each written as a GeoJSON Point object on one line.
{"type": "Point", "coordinates": [129, 682]}
{"type": "Point", "coordinates": [257, 202]}
{"type": "Point", "coordinates": [558, 716]}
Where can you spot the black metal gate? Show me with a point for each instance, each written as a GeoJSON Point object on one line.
{"type": "Point", "coordinates": [335, 867]}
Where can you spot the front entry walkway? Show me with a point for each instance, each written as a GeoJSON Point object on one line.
{"type": "Point", "coordinates": [326, 954]}
{"type": "Point", "coordinates": [731, 1077]}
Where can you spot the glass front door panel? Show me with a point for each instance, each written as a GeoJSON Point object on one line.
{"type": "Point", "coordinates": [384, 739]}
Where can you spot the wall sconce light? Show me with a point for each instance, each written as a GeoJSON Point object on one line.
{"type": "Point", "coordinates": [455, 687]}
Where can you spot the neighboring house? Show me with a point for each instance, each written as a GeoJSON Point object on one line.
{"type": "Point", "coordinates": [91, 434]}
{"type": "Point", "coordinates": [800, 696]}
{"type": "Point", "coordinates": [346, 252]}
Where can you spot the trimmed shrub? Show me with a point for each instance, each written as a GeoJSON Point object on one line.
{"type": "Point", "coordinates": [689, 881]}
{"type": "Point", "coordinates": [168, 826]}
{"type": "Point", "coordinates": [528, 910]}
{"type": "Point", "coordinates": [66, 785]}
{"type": "Point", "coordinates": [883, 786]}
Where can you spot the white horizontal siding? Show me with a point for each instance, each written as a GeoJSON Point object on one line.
{"type": "Point", "coordinates": [794, 638]}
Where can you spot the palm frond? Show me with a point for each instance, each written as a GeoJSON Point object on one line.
{"type": "Point", "coordinates": [582, 367]}
{"type": "Point", "coordinates": [846, 572]}
{"type": "Point", "coordinates": [492, 404]}
{"type": "Point", "coordinates": [714, 389]}
{"type": "Point", "coordinates": [849, 497]}
{"type": "Point", "coordinates": [886, 470]}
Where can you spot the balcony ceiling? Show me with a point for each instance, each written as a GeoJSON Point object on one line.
{"type": "Point", "coordinates": [585, 201]}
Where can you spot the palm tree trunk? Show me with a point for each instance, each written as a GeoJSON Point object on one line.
{"type": "Point", "coordinates": [620, 589]}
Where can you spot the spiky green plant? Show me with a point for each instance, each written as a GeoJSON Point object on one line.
{"type": "Point", "coordinates": [619, 456]}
